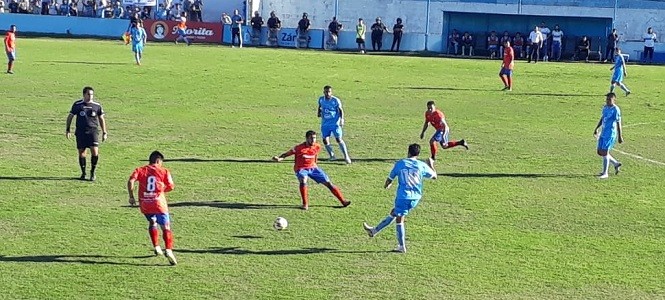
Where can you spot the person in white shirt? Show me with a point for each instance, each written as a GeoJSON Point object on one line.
{"type": "Point", "coordinates": [545, 31]}
{"type": "Point", "coordinates": [557, 36]}
{"type": "Point", "coordinates": [649, 43]}
{"type": "Point", "coordinates": [536, 42]}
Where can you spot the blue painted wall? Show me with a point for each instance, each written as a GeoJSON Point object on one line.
{"type": "Point", "coordinates": [65, 25]}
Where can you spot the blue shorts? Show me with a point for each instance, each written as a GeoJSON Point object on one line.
{"type": "Point", "coordinates": [181, 32]}
{"type": "Point", "coordinates": [11, 55]}
{"type": "Point", "coordinates": [138, 47]}
{"type": "Point", "coordinates": [161, 219]}
{"type": "Point", "coordinates": [606, 143]}
{"type": "Point", "coordinates": [403, 206]}
{"type": "Point", "coordinates": [441, 136]}
{"type": "Point", "coordinates": [506, 71]}
{"type": "Point", "coordinates": [315, 173]}
{"type": "Point", "coordinates": [617, 77]}
{"type": "Point", "coordinates": [335, 130]}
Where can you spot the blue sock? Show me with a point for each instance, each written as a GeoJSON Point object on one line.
{"type": "Point", "coordinates": [342, 146]}
{"type": "Point", "coordinates": [383, 224]}
{"type": "Point", "coordinates": [401, 233]}
{"type": "Point", "coordinates": [329, 149]}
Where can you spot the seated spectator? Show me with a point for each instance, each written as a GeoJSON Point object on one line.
{"type": "Point", "coordinates": [454, 40]}
{"type": "Point", "coordinates": [583, 47]}
{"type": "Point", "coordinates": [518, 45]}
{"type": "Point", "coordinates": [505, 38]}
{"type": "Point", "coordinates": [468, 43]}
{"type": "Point", "coordinates": [493, 44]}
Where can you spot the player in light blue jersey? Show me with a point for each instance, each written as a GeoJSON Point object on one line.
{"type": "Point", "coordinates": [619, 72]}
{"type": "Point", "coordinates": [410, 173]}
{"type": "Point", "coordinates": [611, 132]}
{"type": "Point", "coordinates": [332, 120]}
{"type": "Point", "coordinates": [139, 37]}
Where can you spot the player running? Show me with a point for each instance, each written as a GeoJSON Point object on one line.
{"type": "Point", "coordinates": [154, 182]}
{"type": "Point", "coordinates": [438, 120]}
{"type": "Point", "coordinates": [610, 120]}
{"type": "Point", "coordinates": [182, 29]}
{"type": "Point", "coordinates": [305, 166]}
{"type": "Point", "coordinates": [507, 65]}
{"type": "Point", "coordinates": [10, 48]}
{"type": "Point", "coordinates": [410, 172]}
{"type": "Point", "coordinates": [139, 38]}
{"type": "Point", "coordinates": [619, 72]}
{"type": "Point", "coordinates": [332, 120]}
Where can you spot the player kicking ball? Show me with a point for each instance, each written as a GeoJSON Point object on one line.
{"type": "Point", "coordinates": [409, 173]}
{"type": "Point", "coordinates": [438, 120]}
{"type": "Point", "coordinates": [610, 120]}
{"type": "Point", "coordinates": [154, 182]}
{"type": "Point", "coordinates": [305, 167]}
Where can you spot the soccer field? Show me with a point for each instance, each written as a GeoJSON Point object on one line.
{"type": "Point", "coordinates": [521, 215]}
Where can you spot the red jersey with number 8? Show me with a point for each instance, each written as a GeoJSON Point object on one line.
{"type": "Point", "coordinates": [154, 183]}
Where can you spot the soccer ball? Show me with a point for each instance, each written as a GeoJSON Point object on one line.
{"type": "Point", "coordinates": [280, 223]}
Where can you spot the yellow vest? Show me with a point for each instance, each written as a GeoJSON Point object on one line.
{"type": "Point", "coordinates": [360, 31]}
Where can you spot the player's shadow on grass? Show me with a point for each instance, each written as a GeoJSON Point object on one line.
{"type": "Point", "coordinates": [81, 62]}
{"type": "Point", "coordinates": [510, 175]}
{"type": "Point", "coordinates": [444, 88]}
{"type": "Point", "coordinates": [240, 251]}
{"type": "Point", "coordinates": [78, 259]}
{"type": "Point", "coordinates": [231, 205]}
{"type": "Point", "coordinates": [248, 237]}
{"type": "Point", "coordinates": [37, 178]}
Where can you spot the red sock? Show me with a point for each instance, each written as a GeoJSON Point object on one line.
{"type": "Point", "coordinates": [452, 144]}
{"type": "Point", "coordinates": [503, 79]}
{"type": "Point", "coordinates": [303, 195]}
{"type": "Point", "coordinates": [510, 82]}
{"type": "Point", "coordinates": [337, 193]}
{"type": "Point", "coordinates": [432, 148]}
{"type": "Point", "coordinates": [154, 235]}
{"type": "Point", "coordinates": [168, 238]}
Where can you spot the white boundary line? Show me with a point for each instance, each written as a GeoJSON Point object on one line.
{"type": "Point", "coordinates": [640, 157]}
{"type": "Point", "coordinates": [640, 124]}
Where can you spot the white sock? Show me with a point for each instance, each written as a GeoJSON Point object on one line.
{"type": "Point", "coordinates": [606, 164]}
{"type": "Point", "coordinates": [613, 160]}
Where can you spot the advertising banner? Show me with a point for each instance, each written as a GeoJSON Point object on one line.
{"type": "Point", "coordinates": [167, 31]}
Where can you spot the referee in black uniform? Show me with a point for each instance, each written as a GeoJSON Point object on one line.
{"type": "Point", "coordinates": [89, 115]}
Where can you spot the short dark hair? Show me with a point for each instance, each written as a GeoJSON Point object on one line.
{"type": "Point", "coordinates": [155, 156]}
{"type": "Point", "coordinates": [611, 95]}
{"type": "Point", "coordinates": [431, 102]}
{"type": "Point", "coordinates": [87, 89]}
{"type": "Point", "coordinates": [327, 87]}
{"type": "Point", "coordinates": [414, 150]}
{"type": "Point", "coordinates": [310, 133]}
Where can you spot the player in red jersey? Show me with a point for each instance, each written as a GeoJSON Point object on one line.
{"type": "Point", "coordinates": [10, 48]}
{"type": "Point", "coordinates": [154, 182]}
{"type": "Point", "coordinates": [438, 120]}
{"type": "Point", "coordinates": [507, 65]}
{"type": "Point", "coordinates": [305, 167]}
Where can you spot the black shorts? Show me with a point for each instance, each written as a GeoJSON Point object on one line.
{"type": "Point", "coordinates": [87, 140]}
{"type": "Point", "coordinates": [360, 41]}
{"type": "Point", "coordinates": [235, 30]}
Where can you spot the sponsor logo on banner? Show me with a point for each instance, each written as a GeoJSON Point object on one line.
{"type": "Point", "coordinates": [288, 37]}
{"type": "Point", "coordinates": [196, 31]}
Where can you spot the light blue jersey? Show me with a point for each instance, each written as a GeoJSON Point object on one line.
{"type": "Point", "coordinates": [619, 63]}
{"type": "Point", "coordinates": [611, 115]}
{"type": "Point", "coordinates": [330, 116]}
{"type": "Point", "coordinates": [138, 35]}
{"type": "Point", "coordinates": [410, 173]}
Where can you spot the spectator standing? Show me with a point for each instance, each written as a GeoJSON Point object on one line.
{"type": "Point", "coordinates": [378, 29]}
{"type": "Point", "coordinates": [274, 25]}
{"type": "Point", "coordinates": [257, 23]}
{"type": "Point", "coordinates": [612, 41]}
{"type": "Point", "coordinates": [197, 10]}
{"type": "Point", "coordinates": [398, 30]}
{"type": "Point", "coordinates": [545, 32]}
{"type": "Point", "coordinates": [176, 11]}
{"type": "Point", "coordinates": [2, 6]}
{"type": "Point", "coordinates": [162, 13]}
{"type": "Point", "coordinates": [118, 11]}
{"type": "Point", "coordinates": [333, 31]}
{"type": "Point", "coordinates": [467, 43]}
{"type": "Point", "coordinates": [13, 7]}
{"type": "Point", "coordinates": [45, 6]}
{"type": "Point", "coordinates": [557, 38]}
{"type": "Point", "coordinates": [536, 42]}
{"type": "Point", "coordinates": [236, 29]}
{"type": "Point", "coordinates": [649, 44]}
{"type": "Point", "coordinates": [361, 29]}
{"type": "Point", "coordinates": [74, 9]}
{"type": "Point", "coordinates": [303, 31]}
